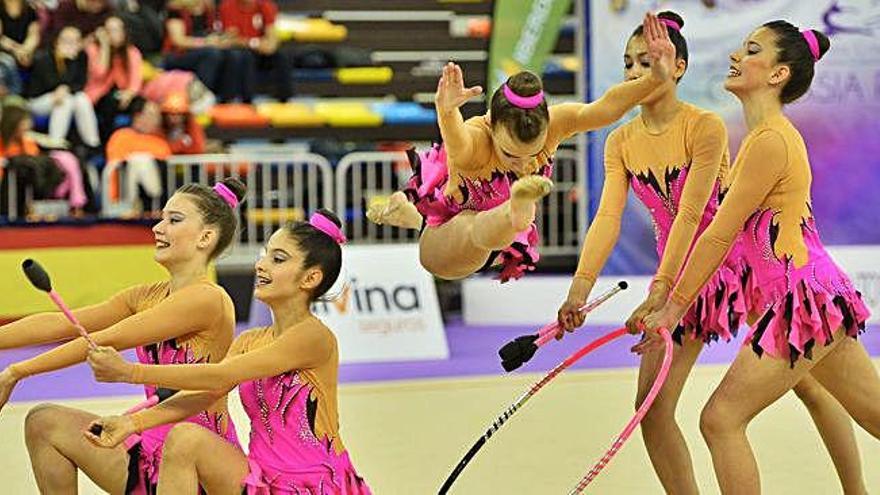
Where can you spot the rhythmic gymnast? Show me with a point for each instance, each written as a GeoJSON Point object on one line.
{"type": "Point", "coordinates": [675, 157]}
{"type": "Point", "coordinates": [186, 319]}
{"type": "Point", "coordinates": [806, 311]}
{"type": "Point", "coordinates": [477, 192]}
{"type": "Point", "coordinates": [287, 376]}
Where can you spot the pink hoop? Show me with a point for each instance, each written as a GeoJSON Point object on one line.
{"type": "Point", "coordinates": [534, 389]}
{"type": "Point", "coordinates": [636, 419]}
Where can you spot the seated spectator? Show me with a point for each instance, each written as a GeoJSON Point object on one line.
{"type": "Point", "coordinates": [15, 124]}
{"type": "Point", "coordinates": [21, 31]}
{"type": "Point", "coordinates": [256, 49]}
{"type": "Point", "coordinates": [10, 79]}
{"type": "Point", "coordinates": [56, 88]}
{"type": "Point", "coordinates": [184, 134]}
{"type": "Point", "coordinates": [200, 98]}
{"type": "Point", "coordinates": [44, 9]}
{"type": "Point", "coordinates": [142, 148]}
{"type": "Point", "coordinates": [85, 15]}
{"type": "Point", "coordinates": [115, 73]}
{"type": "Point", "coordinates": [193, 44]}
{"type": "Point", "coordinates": [54, 175]}
{"type": "Point", "coordinates": [159, 6]}
{"type": "Point", "coordinates": [143, 25]}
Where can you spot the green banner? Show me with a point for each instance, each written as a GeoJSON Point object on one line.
{"type": "Point", "coordinates": [524, 32]}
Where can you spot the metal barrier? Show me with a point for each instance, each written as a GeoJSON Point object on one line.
{"type": "Point", "coordinates": [363, 175]}
{"type": "Point", "coordinates": [279, 188]}
{"type": "Point", "coordinates": [42, 209]}
{"type": "Point", "coordinates": [10, 194]}
{"type": "Point", "coordinates": [563, 215]}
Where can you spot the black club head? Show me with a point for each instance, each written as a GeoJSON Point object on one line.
{"type": "Point", "coordinates": [527, 347]}
{"type": "Point", "coordinates": [514, 349]}
{"type": "Point", "coordinates": [37, 275]}
{"type": "Point", "coordinates": [512, 364]}
{"type": "Point", "coordinates": [518, 352]}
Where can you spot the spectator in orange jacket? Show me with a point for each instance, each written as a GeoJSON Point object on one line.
{"type": "Point", "coordinates": [184, 134]}
{"type": "Point", "coordinates": [141, 148]}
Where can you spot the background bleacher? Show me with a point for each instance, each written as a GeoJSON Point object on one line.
{"type": "Point", "coordinates": [365, 76]}
{"type": "Point", "coordinates": [412, 38]}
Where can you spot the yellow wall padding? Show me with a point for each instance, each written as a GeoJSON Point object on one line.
{"type": "Point", "coordinates": [348, 114]}
{"type": "Point", "coordinates": [365, 75]}
{"type": "Point", "coordinates": [309, 30]}
{"type": "Point", "coordinates": [81, 275]}
{"type": "Point", "coordinates": [291, 115]}
{"type": "Point", "coordinates": [276, 215]}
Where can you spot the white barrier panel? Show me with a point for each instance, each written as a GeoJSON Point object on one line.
{"type": "Point", "coordinates": [387, 309]}
{"type": "Point", "coordinates": [534, 300]}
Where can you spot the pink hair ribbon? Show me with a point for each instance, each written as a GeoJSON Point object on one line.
{"type": "Point", "coordinates": [327, 226]}
{"type": "Point", "coordinates": [524, 102]}
{"type": "Point", "coordinates": [813, 43]}
{"type": "Point", "coordinates": [669, 22]}
{"type": "Point", "coordinates": [226, 194]}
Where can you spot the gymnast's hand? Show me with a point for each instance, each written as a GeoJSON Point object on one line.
{"type": "Point", "coordinates": [451, 92]}
{"type": "Point", "coordinates": [655, 301]}
{"type": "Point", "coordinates": [8, 380]}
{"type": "Point", "coordinates": [570, 317]}
{"type": "Point", "coordinates": [113, 431]}
{"type": "Point", "coordinates": [651, 341]}
{"type": "Point", "coordinates": [109, 366]}
{"type": "Point", "coordinates": [667, 317]}
{"type": "Point", "coordinates": [660, 48]}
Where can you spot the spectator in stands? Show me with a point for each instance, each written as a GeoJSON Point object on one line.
{"type": "Point", "coordinates": [20, 31]}
{"type": "Point", "coordinates": [200, 98]}
{"type": "Point", "coordinates": [192, 43]}
{"type": "Point", "coordinates": [44, 10]}
{"type": "Point", "coordinates": [56, 88]}
{"type": "Point", "coordinates": [15, 123]}
{"type": "Point", "coordinates": [184, 134]}
{"type": "Point", "coordinates": [143, 24]}
{"type": "Point", "coordinates": [160, 6]}
{"type": "Point", "coordinates": [58, 173]}
{"type": "Point", "coordinates": [115, 73]}
{"type": "Point", "coordinates": [85, 15]}
{"type": "Point", "coordinates": [143, 149]}
{"type": "Point", "coordinates": [256, 49]}
{"type": "Point", "coordinates": [10, 79]}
